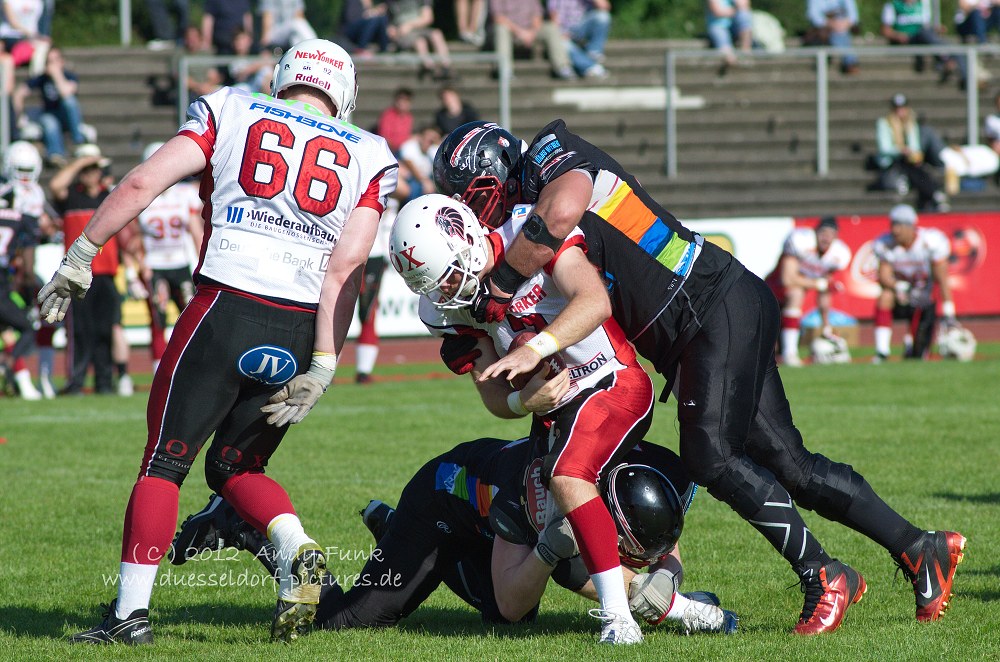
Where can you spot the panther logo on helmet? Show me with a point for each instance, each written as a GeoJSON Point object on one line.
{"type": "Point", "coordinates": [450, 221]}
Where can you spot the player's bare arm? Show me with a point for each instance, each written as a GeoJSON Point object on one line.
{"type": "Point", "coordinates": [539, 395]}
{"type": "Point", "coordinates": [519, 578]}
{"type": "Point", "coordinates": [939, 270]}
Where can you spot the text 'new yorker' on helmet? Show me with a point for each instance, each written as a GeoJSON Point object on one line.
{"type": "Point", "coordinates": [323, 65]}
{"type": "Point", "coordinates": [22, 162]}
{"type": "Point", "coordinates": [647, 511]}
{"type": "Point", "coordinates": [480, 163]}
{"type": "Point", "coordinates": [439, 248]}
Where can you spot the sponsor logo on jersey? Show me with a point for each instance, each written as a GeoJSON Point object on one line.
{"type": "Point", "coordinates": [265, 220]}
{"type": "Point", "coordinates": [315, 80]}
{"type": "Point", "coordinates": [545, 148]}
{"type": "Point", "coordinates": [299, 118]}
{"type": "Point", "coordinates": [590, 367]}
{"type": "Point", "coordinates": [530, 299]}
{"type": "Point", "coordinates": [234, 214]}
{"type": "Point", "coordinates": [268, 364]}
{"type": "Point", "coordinates": [535, 495]}
{"type": "Point", "coordinates": [321, 56]}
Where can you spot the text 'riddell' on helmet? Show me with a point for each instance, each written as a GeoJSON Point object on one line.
{"type": "Point", "coordinates": [480, 163]}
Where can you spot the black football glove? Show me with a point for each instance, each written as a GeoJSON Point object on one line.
{"type": "Point", "coordinates": [460, 352]}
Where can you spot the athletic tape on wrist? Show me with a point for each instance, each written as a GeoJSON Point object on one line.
{"type": "Point", "coordinates": [544, 343]}
{"type": "Point", "coordinates": [322, 367]}
{"type": "Point", "coordinates": [515, 403]}
{"type": "Point", "coordinates": [82, 251]}
{"type": "Point", "coordinates": [948, 308]}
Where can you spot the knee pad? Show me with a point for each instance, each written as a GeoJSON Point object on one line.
{"type": "Point", "coordinates": [218, 472]}
{"type": "Point", "coordinates": [171, 463]}
{"type": "Point", "coordinates": [744, 486]}
{"type": "Point", "coordinates": [829, 488]}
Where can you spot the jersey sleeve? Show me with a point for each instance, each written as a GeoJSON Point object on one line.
{"type": "Point", "coordinates": [554, 152]}
{"type": "Point", "coordinates": [880, 248]}
{"type": "Point", "coordinates": [938, 246]}
{"type": "Point", "coordinates": [790, 247]}
{"type": "Point", "coordinates": [840, 257]}
{"type": "Point", "coordinates": [201, 123]}
{"type": "Point", "coordinates": [383, 183]}
{"type": "Point", "coordinates": [446, 322]}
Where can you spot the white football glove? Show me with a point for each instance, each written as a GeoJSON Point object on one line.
{"type": "Point", "coordinates": [136, 289]}
{"type": "Point", "coordinates": [556, 542]}
{"type": "Point", "coordinates": [297, 397]}
{"type": "Point", "coordinates": [73, 278]}
{"type": "Point", "coordinates": [650, 595]}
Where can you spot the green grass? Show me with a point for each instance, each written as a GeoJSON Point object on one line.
{"type": "Point", "coordinates": [924, 434]}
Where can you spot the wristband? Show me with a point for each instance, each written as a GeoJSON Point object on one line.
{"type": "Point", "coordinates": [131, 274]}
{"type": "Point", "coordinates": [82, 252]}
{"type": "Point", "coordinates": [544, 343]}
{"type": "Point", "coordinates": [322, 367]}
{"type": "Point", "coordinates": [506, 278]}
{"type": "Point", "coordinates": [948, 309]}
{"type": "Point", "coordinates": [515, 405]}
{"type": "Point", "coordinates": [822, 284]}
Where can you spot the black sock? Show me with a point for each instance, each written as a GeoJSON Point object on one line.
{"type": "Point", "coordinates": [783, 526]}
{"type": "Point", "coordinates": [122, 369]}
{"type": "Point", "coordinates": [868, 514]}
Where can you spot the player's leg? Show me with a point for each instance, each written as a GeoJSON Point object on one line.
{"type": "Point", "coordinates": [158, 289]}
{"type": "Point", "coordinates": [367, 347]}
{"type": "Point", "coordinates": [16, 318]}
{"type": "Point", "coordinates": [791, 325]}
{"type": "Point", "coordinates": [721, 378]}
{"type": "Point", "coordinates": [921, 331]}
{"type": "Point", "coordinates": [883, 324]}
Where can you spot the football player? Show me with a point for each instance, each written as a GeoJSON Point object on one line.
{"type": "Point", "coordinates": [591, 412]}
{"type": "Point", "coordinates": [474, 518]}
{"type": "Point", "coordinates": [911, 261]}
{"type": "Point", "coordinates": [709, 325]}
{"type": "Point", "coordinates": [810, 260]}
{"type": "Point", "coordinates": [296, 193]}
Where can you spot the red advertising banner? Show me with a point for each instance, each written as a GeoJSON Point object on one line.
{"type": "Point", "coordinates": [974, 266]}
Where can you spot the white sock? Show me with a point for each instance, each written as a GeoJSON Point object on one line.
{"type": "Point", "coordinates": [286, 533]}
{"type": "Point", "coordinates": [883, 340]}
{"type": "Point", "coordinates": [610, 586]}
{"type": "Point", "coordinates": [134, 588]}
{"type": "Point", "coordinates": [677, 607]}
{"type": "Point", "coordinates": [365, 356]}
{"type": "Point", "coordinates": [790, 342]}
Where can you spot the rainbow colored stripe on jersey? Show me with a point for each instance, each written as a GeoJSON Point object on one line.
{"type": "Point", "coordinates": [623, 209]}
{"type": "Point", "coordinates": [454, 479]}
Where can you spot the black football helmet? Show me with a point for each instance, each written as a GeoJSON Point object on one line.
{"type": "Point", "coordinates": [480, 164]}
{"type": "Point", "coordinates": [647, 511]}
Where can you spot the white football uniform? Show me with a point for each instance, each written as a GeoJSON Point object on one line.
{"type": "Point", "coordinates": [29, 198]}
{"type": "Point", "coordinates": [535, 304]}
{"type": "Point", "coordinates": [283, 179]}
{"type": "Point", "coordinates": [164, 224]}
{"type": "Point", "coordinates": [913, 264]}
{"type": "Point", "coordinates": [801, 244]}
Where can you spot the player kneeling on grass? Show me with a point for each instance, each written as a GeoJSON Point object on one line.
{"type": "Point", "coordinates": [474, 519]}
{"type": "Point", "coordinates": [590, 413]}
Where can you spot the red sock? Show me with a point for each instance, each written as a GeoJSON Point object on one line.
{"type": "Point", "coordinates": [150, 520]}
{"type": "Point", "coordinates": [368, 334]}
{"type": "Point", "coordinates": [596, 535]}
{"type": "Point", "coordinates": [790, 321]}
{"type": "Point", "coordinates": [883, 317]}
{"type": "Point", "coordinates": [257, 499]}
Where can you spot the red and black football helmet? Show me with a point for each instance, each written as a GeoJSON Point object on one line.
{"type": "Point", "coordinates": [647, 511]}
{"type": "Point", "coordinates": [480, 164]}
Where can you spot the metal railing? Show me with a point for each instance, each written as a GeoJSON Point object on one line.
{"type": "Point", "coordinates": [822, 57]}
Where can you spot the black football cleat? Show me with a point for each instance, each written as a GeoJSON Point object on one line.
{"type": "Point", "coordinates": [214, 527]}
{"type": "Point", "coordinates": [376, 516]}
{"type": "Point", "coordinates": [929, 563]}
{"type": "Point", "coordinates": [130, 631]}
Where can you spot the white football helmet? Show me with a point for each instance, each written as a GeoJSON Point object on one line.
{"type": "Point", "coordinates": [830, 349]}
{"type": "Point", "coordinates": [320, 64]}
{"type": "Point", "coordinates": [956, 342]}
{"type": "Point", "coordinates": [434, 237]}
{"type": "Point", "coordinates": [150, 150]}
{"type": "Point", "coordinates": [22, 162]}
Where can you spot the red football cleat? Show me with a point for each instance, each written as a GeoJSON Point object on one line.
{"type": "Point", "coordinates": [830, 590]}
{"type": "Point", "coordinates": [929, 564]}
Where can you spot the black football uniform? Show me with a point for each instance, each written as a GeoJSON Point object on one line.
{"type": "Point", "coordinates": [18, 231]}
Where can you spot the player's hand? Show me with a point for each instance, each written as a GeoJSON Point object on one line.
{"type": "Point", "coordinates": [71, 279]}
{"type": "Point", "coordinates": [822, 285]}
{"type": "Point", "coordinates": [650, 595]}
{"type": "Point", "coordinates": [294, 400]}
{"type": "Point", "coordinates": [519, 362]}
{"type": "Point", "coordinates": [541, 394]}
{"type": "Point", "coordinates": [490, 303]}
{"type": "Point", "coordinates": [136, 289]}
{"type": "Point", "coordinates": [460, 352]}
{"type": "Point", "coordinates": [556, 542]}
{"type": "Point", "coordinates": [902, 290]}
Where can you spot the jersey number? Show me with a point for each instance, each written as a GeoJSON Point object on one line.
{"type": "Point", "coordinates": [530, 322]}
{"type": "Point", "coordinates": [160, 228]}
{"type": "Point", "coordinates": [313, 179]}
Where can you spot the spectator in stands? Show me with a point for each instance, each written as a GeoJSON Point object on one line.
{"type": "Point", "coordinates": [283, 23]}
{"type": "Point", "coordinates": [395, 123]}
{"type": "Point", "coordinates": [454, 111]}
{"type": "Point", "coordinates": [168, 32]}
{"type": "Point", "coordinates": [365, 22]}
{"type": "Point", "coordinates": [220, 22]}
{"type": "Point", "coordinates": [521, 24]}
{"type": "Point", "coordinates": [417, 154]}
{"type": "Point", "coordinates": [901, 158]}
{"type": "Point", "coordinates": [249, 70]}
{"type": "Point", "coordinates": [20, 39]}
{"type": "Point", "coordinates": [60, 111]}
{"type": "Point", "coordinates": [991, 126]}
{"type": "Point", "coordinates": [470, 19]}
{"type": "Point", "coordinates": [585, 25]}
{"type": "Point", "coordinates": [832, 23]}
{"type": "Point", "coordinates": [411, 27]}
{"type": "Point", "coordinates": [975, 18]}
{"type": "Point", "coordinates": [728, 22]}
{"type": "Point", "coordinates": [908, 23]}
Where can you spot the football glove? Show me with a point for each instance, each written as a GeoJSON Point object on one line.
{"type": "Point", "coordinates": [72, 278]}
{"type": "Point", "coordinates": [650, 595]}
{"type": "Point", "coordinates": [556, 542]}
{"type": "Point", "coordinates": [460, 352]}
{"type": "Point", "coordinates": [299, 396]}
{"type": "Point", "coordinates": [489, 307]}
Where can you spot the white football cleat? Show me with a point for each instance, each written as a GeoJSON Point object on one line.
{"type": "Point", "coordinates": [125, 386]}
{"type": "Point", "coordinates": [617, 629]}
{"type": "Point", "coordinates": [48, 391]}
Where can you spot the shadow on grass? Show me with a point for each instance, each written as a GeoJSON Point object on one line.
{"type": "Point", "coordinates": [992, 498]}
{"type": "Point", "coordinates": [457, 622]}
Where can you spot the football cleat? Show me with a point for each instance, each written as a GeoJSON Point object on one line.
{"type": "Point", "coordinates": [130, 631]}
{"type": "Point", "coordinates": [617, 629]}
{"type": "Point", "coordinates": [830, 590]}
{"type": "Point", "coordinates": [929, 563]}
{"type": "Point", "coordinates": [295, 612]}
{"type": "Point", "coordinates": [214, 527]}
{"type": "Point", "coordinates": [703, 614]}
{"type": "Point", "coordinates": [376, 516]}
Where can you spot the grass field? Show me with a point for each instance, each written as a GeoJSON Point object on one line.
{"type": "Point", "coordinates": [924, 434]}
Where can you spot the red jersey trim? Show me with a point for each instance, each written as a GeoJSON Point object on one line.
{"type": "Point", "coordinates": [577, 240]}
{"type": "Point", "coordinates": [208, 289]}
